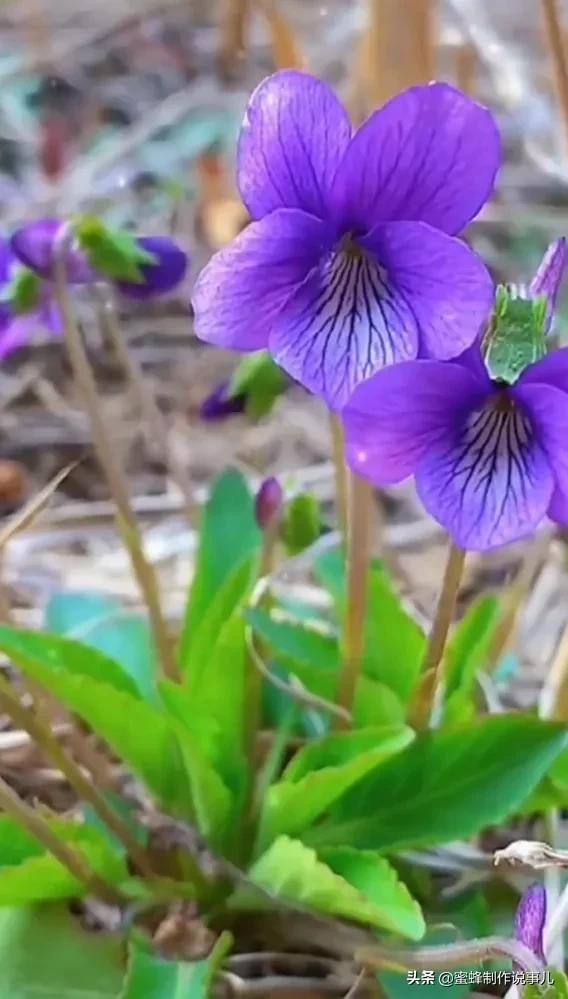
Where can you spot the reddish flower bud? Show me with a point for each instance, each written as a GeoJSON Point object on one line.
{"type": "Point", "coordinates": [269, 503]}
{"type": "Point", "coordinates": [54, 148]}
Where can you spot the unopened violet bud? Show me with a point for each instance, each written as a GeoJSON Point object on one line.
{"type": "Point", "coordinates": [269, 502]}
{"type": "Point", "coordinates": [219, 404]}
{"type": "Point", "coordinates": [34, 245]}
{"type": "Point", "coordinates": [163, 274]}
{"type": "Point", "coordinates": [530, 919]}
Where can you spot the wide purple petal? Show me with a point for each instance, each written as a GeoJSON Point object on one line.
{"type": "Point", "coordinates": [242, 290]}
{"type": "Point", "coordinates": [393, 418]}
{"type": "Point", "coordinates": [489, 482]}
{"type": "Point", "coordinates": [551, 370]}
{"type": "Point", "coordinates": [530, 919]}
{"type": "Point", "coordinates": [163, 275]}
{"type": "Point", "coordinates": [344, 323]}
{"type": "Point", "coordinates": [445, 286]}
{"type": "Point", "coordinates": [34, 245]}
{"type": "Point", "coordinates": [548, 277]}
{"type": "Point", "coordinates": [430, 155]}
{"type": "Point", "coordinates": [294, 134]}
{"type": "Point", "coordinates": [548, 409]}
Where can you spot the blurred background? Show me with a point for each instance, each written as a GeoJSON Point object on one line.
{"type": "Point", "coordinates": [131, 109]}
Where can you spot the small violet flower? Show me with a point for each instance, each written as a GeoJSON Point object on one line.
{"type": "Point", "coordinates": [350, 263]}
{"type": "Point", "coordinates": [18, 328]}
{"type": "Point", "coordinates": [220, 404]}
{"type": "Point", "coordinates": [489, 453]}
{"type": "Point", "coordinates": [34, 245]}
{"type": "Point", "coordinates": [530, 919]}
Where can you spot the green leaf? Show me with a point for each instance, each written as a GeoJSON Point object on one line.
{"type": "Point", "coordinates": [260, 379]}
{"type": "Point", "coordinates": [113, 252]}
{"type": "Point", "coordinates": [214, 708]}
{"type": "Point", "coordinates": [137, 732]}
{"type": "Point", "coordinates": [392, 636]}
{"type": "Point", "coordinates": [321, 773]}
{"type": "Point", "coordinates": [151, 977]}
{"type": "Point", "coordinates": [229, 538]}
{"type": "Point", "coordinates": [376, 704]}
{"type": "Point", "coordinates": [469, 644]}
{"type": "Point", "coordinates": [291, 870]}
{"type": "Point", "coordinates": [105, 624]}
{"type": "Point", "coordinates": [44, 954]}
{"type": "Point", "coordinates": [65, 654]}
{"type": "Point", "coordinates": [374, 877]}
{"type": "Point", "coordinates": [295, 641]}
{"type": "Point", "coordinates": [16, 845]}
{"type": "Point", "coordinates": [302, 524]}
{"type": "Point", "coordinates": [557, 990]}
{"type": "Point", "coordinates": [447, 785]}
{"type": "Point", "coordinates": [230, 596]}
{"type": "Point", "coordinates": [41, 878]}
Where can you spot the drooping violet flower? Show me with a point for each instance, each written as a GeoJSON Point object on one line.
{"type": "Point", "coordinates": [530, 919]}
{"type": "Point", "coordinates": [17, 329]}
{"type": "Point", "coordinates": [490, 455]}
{"type": "Point", "coordinates": [220, 404]}
{"type": "Point", "coordinates": [350, 263]}
{"type": "Point", "coordinates": [34, 244]}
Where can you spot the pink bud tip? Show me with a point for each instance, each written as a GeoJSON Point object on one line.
{"type": "Point", "coordinates": [269, 501]}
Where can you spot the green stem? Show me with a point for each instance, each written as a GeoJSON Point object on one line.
{"type": "Point", "coordinates": [454, 955]}
{"type": "Point", "coordinates": [68, 856]}
{"type": "Point", "coordinates": [35, 724]}
{"type": "Point", "coordinates": [433, 666]}
{"type": "Point", "coordinates": [341, 474]}
{"type": "Point", "coordinates": [107, 454]}
{"type": "Point", "coordinates": [358, 557]}
{"type": "Point", "coordinates": [149, 410]}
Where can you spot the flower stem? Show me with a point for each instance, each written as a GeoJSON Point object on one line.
{"type": "Point", "coordinates": [68, 856]}
{"type": "Point", "coordinates": [116, 479]}
{"type": "Point", "coordinates": [341, 473]}
{"type": "Point", "coordinates": [433, 664]}
{"type": "Point", "coordinates": [156, 424]}
{"type": "Point", "coordinates": [453, 955]}
{"type": "Point", "coordinates": [358, 545]}
{"type": "Point", "coordinates": [36, 725]}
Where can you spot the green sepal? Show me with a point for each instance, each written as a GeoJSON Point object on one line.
{"type": "Point", "coordinates": [113, 252]}
{"type": "Point", "coordinates": [260, 379]}
{"type": "Point", "coordinates": [516, 336]}
{"type": "Point", "coordinates": [23, 293]}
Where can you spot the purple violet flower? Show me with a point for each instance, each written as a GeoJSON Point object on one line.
{"type": "Point", "coordinates": [218, 405]}
{"type": "Point", "coordinates": [530, 919]}
{"type": "Point", "coordinates": [490, 457]}
{"type": "Point", "coordinates": [350, 263]}
{"type": "Point", "coordinates": [17, 330]}
{"type": "Point", "coordinates": [34, 245]}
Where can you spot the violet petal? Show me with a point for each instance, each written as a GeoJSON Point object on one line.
{"type": "Point", "coordinates": [530, 919]}
{"type": "Point", "coordinates": [294, 134]}
{"type": "Point", "coordinates": [162, 276]}
{"type": "Point", "coordinates": [394, 418]}
{"type": "Point", "coordinates": [430, 155]}
{"type": "Point", "coordinates": [240, 293]}
{"type": "Point", "coordinates": [34, 246]}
